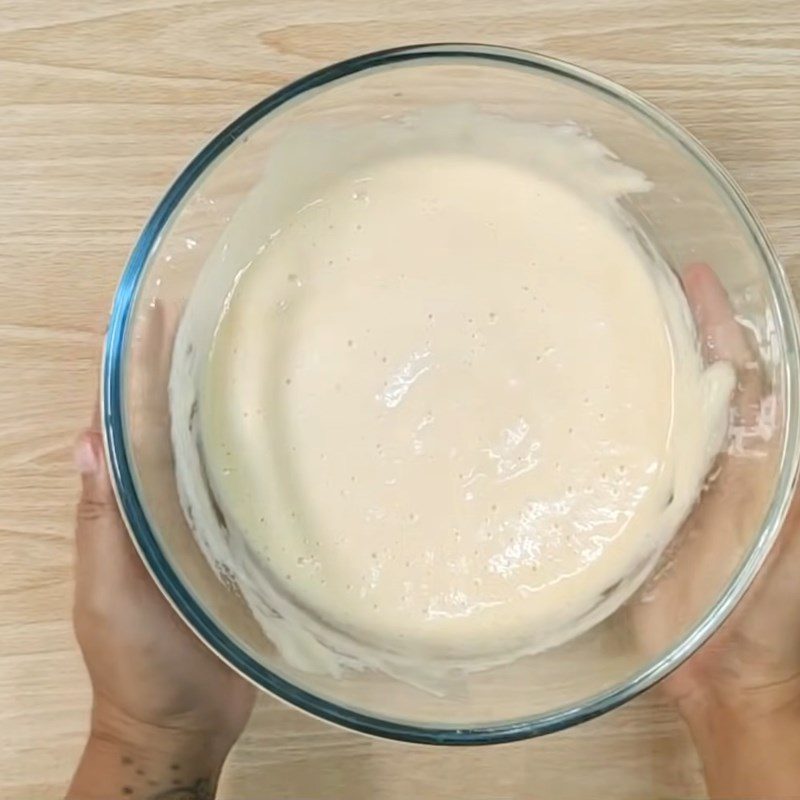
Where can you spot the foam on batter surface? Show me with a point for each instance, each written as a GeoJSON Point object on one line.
{"type": "Point", "coordinates": [451, 411]}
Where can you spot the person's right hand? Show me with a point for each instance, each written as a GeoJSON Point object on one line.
{"type": "Point", "coordinates": [740, 693]}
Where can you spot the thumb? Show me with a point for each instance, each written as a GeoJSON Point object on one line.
{"type": "Point", "coordinates": [97, 502]}
{"type": "Point", "coordinates": [724, 338]}
{"type": "Point", "coordinates": [103, 547]}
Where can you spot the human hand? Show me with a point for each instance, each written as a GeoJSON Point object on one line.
{"type": "Point", "coordinates": [166, 710]}
{"type": "Point", "coordinates": [755, 657]}
{"type": "Point", "coordinates": [740, 693]}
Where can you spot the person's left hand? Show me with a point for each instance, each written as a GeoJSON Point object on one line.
{"type": "Point", "coordinates": [155, 684]}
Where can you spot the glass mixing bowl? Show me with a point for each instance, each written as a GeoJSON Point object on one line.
{"type": "Point", "coordinates": [693, 213]}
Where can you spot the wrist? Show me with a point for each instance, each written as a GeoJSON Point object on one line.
{"type": "Point", "coordinates": [754, 707]}
{"type": "Point", "coordinates": [131, 758]}
{"type": "Point", "coordinates": [114, 728]}
{"type": "Point", "coordinates": [749, 743]}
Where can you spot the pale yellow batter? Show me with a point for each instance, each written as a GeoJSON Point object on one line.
{"type": "Point", "coordinates": [451, 411]}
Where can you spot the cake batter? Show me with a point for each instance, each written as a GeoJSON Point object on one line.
{"type": "Point", "coordinates": [452, 411]}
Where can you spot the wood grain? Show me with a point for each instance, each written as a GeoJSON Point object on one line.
{"type": "Point", "coordinates": [101, 102]}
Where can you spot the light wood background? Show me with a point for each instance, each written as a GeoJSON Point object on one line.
{"type": "Point", "coordinates": [101, 102]}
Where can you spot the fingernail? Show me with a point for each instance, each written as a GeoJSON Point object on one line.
{"type": "Point", "coordinates": [85, 456]}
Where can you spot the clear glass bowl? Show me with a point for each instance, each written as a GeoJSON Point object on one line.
{"type": "Point", "coordinates": [694, 212]}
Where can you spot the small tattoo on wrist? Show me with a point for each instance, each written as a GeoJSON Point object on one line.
{"type": "Point", "coordinates": [180, 788]}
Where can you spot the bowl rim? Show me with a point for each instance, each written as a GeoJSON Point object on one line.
{"type": "Point", "coordinates": [191, 610]}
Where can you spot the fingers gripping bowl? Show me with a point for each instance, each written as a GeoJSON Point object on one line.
{"type": "Point", "coordinates": [678, 207]}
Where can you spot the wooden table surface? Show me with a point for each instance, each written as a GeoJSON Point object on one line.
{"type": "Point", "coordinates": [101, 102]}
